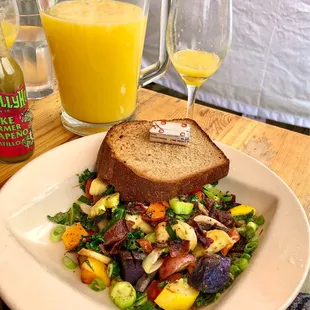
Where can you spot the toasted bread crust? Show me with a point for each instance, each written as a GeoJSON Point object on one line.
{"type": "Point", "coordinates": [135, 187]}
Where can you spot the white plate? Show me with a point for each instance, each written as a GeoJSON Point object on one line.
{"type": "Point", "coordinates": [33, 277]}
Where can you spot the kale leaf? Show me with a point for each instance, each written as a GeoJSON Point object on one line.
{"type": "Point", "coordinates": [75, 215]}
{"type": "Point", "coordinates": [247, 217]}
{"type": "Point", "coordinates": [148, 305]}
{"type": "Point", "coordinates": [132, 236]}
{"type": "Point", "coordinates": [59, 218]}
{"type": "Point", "coordinates": [84, 176]}
{"type": "Point", "coordinates": [119, 213]}
{"type": "Point", "coordinates": [205, 299]}
{"type": "Point", "coordinates": [90, 242]}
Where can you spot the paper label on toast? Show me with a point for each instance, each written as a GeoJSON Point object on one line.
{"type": "Point", "coordinates": [170, 132]}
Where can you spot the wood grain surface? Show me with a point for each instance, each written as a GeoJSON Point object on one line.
{"type": "Point", "coordinates": [287, 153]}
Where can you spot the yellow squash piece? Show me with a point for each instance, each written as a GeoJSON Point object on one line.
{"type": "Point", "coordinates": [91, 269]}
{"type": "Point", "coordinates": [242, 210]}
{"type": "Point", "coordinates": [102, 204]}
{"type": "Point", "coordinates": [220, 240]}
{"type": "Point", "coordinates": [177, 296]}
{"type": "Point", "coordinates": [72, 236]}
{"type": "Point", "coordinates": [199, 251]}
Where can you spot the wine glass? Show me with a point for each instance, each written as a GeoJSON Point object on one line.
{"type": "Point", "coordinates": [198, 38]}
{"type": "Point", "coordinates": [9, 18]}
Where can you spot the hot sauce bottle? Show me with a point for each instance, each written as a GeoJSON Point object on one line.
{"type": "Point", "coordinates": [16, 138]}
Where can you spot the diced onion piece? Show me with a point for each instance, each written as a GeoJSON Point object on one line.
{"type": "Point", "coordinates": [97, 285]}
{"type": "Point", "coordinates": [100, 257]}
{"type": "Point", "coordinates": [153, 261]}
{"type": "Point", "coordinates": [208, 220]}
{"type": "Point", "coordinates": [103, 224]}
{"type": "Point", "coordinates": [69, 263]}
{"type": "Point", "coordinates": [85, 208]}
{"type": "Point", "coordinates": [57, 233]}
{"type": "Point", "coordinates": [203, 209]}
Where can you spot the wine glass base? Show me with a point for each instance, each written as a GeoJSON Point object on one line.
{"type": "Point", "coordinates": [35, 95]}
{"type": "Point", "coordinates": [84, 129]}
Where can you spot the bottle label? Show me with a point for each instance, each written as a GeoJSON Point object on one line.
{"type": "Point", "coordinates": [16, 138]}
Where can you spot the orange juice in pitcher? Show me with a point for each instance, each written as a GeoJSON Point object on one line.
{"type": "Point", "coordinates": [96, 48]}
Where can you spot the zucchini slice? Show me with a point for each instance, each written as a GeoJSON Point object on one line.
{"type": "Point", "coordinates": [123, 294]}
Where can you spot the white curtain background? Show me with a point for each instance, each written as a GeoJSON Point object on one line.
{"type": "Point", "coordinates": [267, 70]}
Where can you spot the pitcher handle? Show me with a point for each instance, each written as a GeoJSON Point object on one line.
{"type": "Point", "coordinates": [158, 69]}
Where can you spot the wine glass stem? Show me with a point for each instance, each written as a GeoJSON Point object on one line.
{"type": "Point", "coordinates": [192, 91]}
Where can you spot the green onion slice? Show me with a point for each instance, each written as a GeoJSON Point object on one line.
{"type": "Point", "coordinates": [250, 247]}
{"type": "Point", "coordinates": [69, 263]}
{"type": "Point", "coordinates": [97, 285]}
{"type": "Point", "coordinates": [57, 233]}
{"type": "Point", "coordinates": [241, 263]}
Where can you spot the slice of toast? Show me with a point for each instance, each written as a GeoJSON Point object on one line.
{"type": "Point", "coordinates": [151, 171]}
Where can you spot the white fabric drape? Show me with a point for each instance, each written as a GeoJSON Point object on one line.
{"type": "Point", "coordinates": [267, 70]}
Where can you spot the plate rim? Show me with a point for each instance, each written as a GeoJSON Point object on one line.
{"type": "Point", "coordinates": [289, 299]}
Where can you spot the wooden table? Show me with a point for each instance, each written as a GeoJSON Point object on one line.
{"type": "Point", "coordinates": [286, 153]}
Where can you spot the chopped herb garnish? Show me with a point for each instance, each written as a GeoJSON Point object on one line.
{"type": "Point", "coordinates": [89, 265]}
{"type": "Point", "coordinates": [170, 213]}
{"type": "Point", "coordinates": [172, 233]}
{"type": "Point", "coordinates": [193, 197]}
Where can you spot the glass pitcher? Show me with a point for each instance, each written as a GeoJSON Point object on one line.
{"type": "Point", "coordinates": [96, 48]}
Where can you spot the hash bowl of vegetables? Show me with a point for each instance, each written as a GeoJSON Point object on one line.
{"type": "Point", "coordinates": [173, 255]}
{"type": "Point", "coordinates": [32, 272]}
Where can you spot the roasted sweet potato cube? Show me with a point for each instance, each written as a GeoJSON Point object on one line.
{"type": "Point", "coordinates": [96, 268]}
{"type": "Point", "coordinates": [72, 236]}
